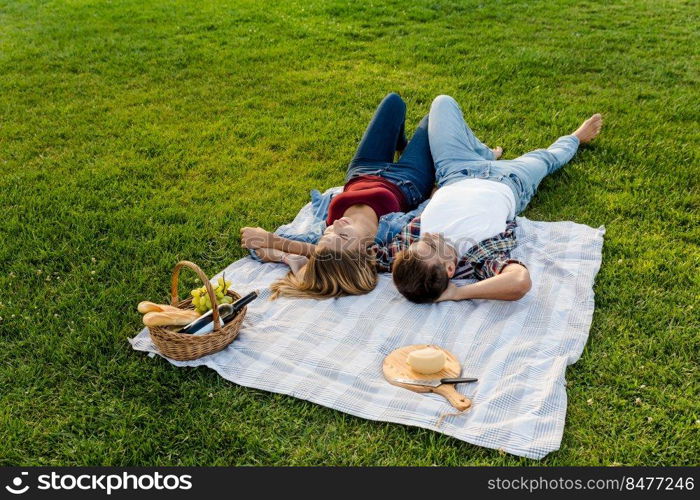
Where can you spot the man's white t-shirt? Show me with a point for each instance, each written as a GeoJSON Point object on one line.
{"type": "Point", "coordinates": [469, 211]}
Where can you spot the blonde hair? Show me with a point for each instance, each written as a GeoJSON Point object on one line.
{"type": "Point", "coordinates": [330, 273]}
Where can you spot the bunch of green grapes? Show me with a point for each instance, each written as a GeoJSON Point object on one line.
{"type": "Point", "coordinates": [201, 300]}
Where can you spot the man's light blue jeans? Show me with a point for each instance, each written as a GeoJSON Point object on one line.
{"type": "Point", "coordinates": [458, 154]}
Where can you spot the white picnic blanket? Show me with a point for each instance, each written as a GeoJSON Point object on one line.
{"type": "Point", "coordinates": [330, 352]}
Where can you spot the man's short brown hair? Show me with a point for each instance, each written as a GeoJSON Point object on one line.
{"type": "Point", "coordinates": [418, 280]}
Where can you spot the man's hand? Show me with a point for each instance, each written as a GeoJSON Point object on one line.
{"type": "Point", "coordinates": [512, 284]}
{"type": "Point", "coordinates": [256, 237]}
{"type": "Point", "coordinates": [452, 292]}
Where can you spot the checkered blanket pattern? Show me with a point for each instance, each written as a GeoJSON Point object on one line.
{"type": "Point", "coordinates": [330, 352]}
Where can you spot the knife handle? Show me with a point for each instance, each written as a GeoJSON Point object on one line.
{"type": "Point", "coordinates": [457, 380]}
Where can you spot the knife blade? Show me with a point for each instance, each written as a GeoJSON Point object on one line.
{"type": "Point", "coordinates": [435, 382]}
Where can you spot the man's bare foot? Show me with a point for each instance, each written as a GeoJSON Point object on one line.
{"type": "Point", "coordinates": [589, 129]}
{"type": "Point", "coordinates": [497, 152]}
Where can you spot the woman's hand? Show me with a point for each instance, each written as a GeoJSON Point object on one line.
{"type": "Point", "coordinates": [270, 254]}
{"type": "Point", "coordinates": [256, 237]}
{"type": "Point", "coordinates": [295, 262]}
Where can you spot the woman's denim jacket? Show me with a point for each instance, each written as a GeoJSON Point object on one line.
{"type": "Point", "coordinates": [310, 222]}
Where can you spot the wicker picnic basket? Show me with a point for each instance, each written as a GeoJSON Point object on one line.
{"type": "Point", "coordinates": [183, 346]}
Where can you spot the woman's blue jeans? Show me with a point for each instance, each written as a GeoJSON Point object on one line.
{"type": "Point", "coordinates": [458, 154]}
{"type": "Point", "coordinates": [414, 173]}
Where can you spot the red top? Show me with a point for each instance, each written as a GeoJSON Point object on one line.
{"type": "Point", "coordinates": [381, 195]}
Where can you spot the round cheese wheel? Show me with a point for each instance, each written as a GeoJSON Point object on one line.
{"type": "Point", "coordinates": [426, 361]}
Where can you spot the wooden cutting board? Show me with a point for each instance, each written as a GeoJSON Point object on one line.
{"type": "Point", "coordinates": [396, 366]}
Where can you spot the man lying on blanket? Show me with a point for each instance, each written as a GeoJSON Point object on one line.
{"type": "Point", "coordinates": [467, 228]}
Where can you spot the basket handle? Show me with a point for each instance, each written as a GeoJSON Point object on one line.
{"type": "Point", "coordinates": [210, 290]}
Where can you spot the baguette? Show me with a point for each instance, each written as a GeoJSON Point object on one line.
{"type": "Point", "coordinates": [179, 317]}
{"type": "Point", "coordinates": [146, 307]}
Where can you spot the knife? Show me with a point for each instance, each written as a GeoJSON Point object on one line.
{"type": "Point", "coordinates": [435, 382]}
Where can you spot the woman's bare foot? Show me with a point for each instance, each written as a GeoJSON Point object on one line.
{"type": "Point", "coordinates": [589, 129]}
{"type": "Point", "coordinates": [497, 152]}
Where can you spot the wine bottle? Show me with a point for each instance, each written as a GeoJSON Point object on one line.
{"type": "Point", "coordinates": [205, 321]}
{"type": "Point", "coordinates": [238, 305]}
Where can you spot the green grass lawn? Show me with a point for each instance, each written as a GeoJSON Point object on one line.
{"type": "Point", "coordinates": [135, 134]}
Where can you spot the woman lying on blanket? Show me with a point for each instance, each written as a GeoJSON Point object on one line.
{"type": "Point", "coordinates": [370, 210]}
